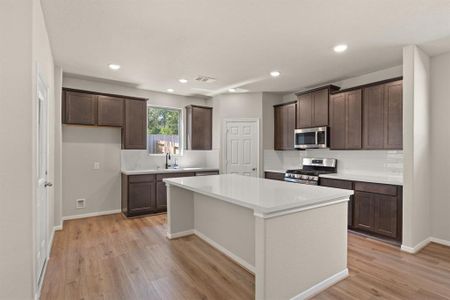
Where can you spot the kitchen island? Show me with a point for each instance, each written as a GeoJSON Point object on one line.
{"type": "Point", "coordinates": [293, 237]}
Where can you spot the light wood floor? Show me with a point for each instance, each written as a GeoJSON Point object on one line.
{"type": "Point", "coordinates": [112, 257]}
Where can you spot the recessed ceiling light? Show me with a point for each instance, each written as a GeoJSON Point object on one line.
{"type": "Point", "coordinates": [340, 48]}
{"type": "Point", "coordinates": [114, 67]}
{"type": "Point", "coordinates": [170, 90]}
{"type": "Point", "coordinates": [275, 73]}
{"type": "Point", "coordinates": [182, 80]}
{"type": "Point", "coordinates": [232, 90]}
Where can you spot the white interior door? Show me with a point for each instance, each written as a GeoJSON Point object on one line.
{"type": "Point", "coordinates": [41, 196]}
{"type": "Point", "coordinates": [242, 148]}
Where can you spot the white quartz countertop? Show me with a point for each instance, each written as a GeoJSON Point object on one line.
{"type": "Point", "coordinates": [161, 171]}
{"type": "Point", "coordinates": [374, 178]}
{"type": "Point", "coordinates": [276, 171]}
{"type": "Point", "coordinates": [264, 196]}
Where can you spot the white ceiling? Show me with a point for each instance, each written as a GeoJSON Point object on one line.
{"type": "Point", "coordinates": [238, 42]}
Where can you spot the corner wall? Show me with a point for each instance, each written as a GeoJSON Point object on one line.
{"type": "Point", "coordinates": [440, 146]}
{"type": "Point", "coordinates": [17, 155]}
{"type": "Point", "coordinates": [416, 145]}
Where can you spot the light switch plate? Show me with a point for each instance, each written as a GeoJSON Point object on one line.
{"type": "Point", "coordinates": [96, 165]}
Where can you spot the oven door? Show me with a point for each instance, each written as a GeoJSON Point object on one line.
{"type": "Point", "coordinates": [311, 138]}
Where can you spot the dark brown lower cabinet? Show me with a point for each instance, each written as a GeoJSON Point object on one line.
{"type": "Point", "coordinates": [138, 194]}
{"type": "Point", "coordinates": [147, 194]}
{"type": "Point", "coordinates": [375, 208]}
{"type": "Point", "coordinates": [161, 195]}
{"type": "Point", "coordinates": [274, 175]}
{"type": "Point", "coordinates": [342, 184]}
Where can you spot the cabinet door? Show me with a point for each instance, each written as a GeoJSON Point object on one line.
{"type": "Point", "coordinates": [393, 115]}
{"type": "Point", "coordinates": [304, 113]}
{"type": "Point", "coordinates": [161, 196]}
{"type": "Point", "coordinates": [79, 108]}
{"type": "Point", "coordinates": [320, 108]}
{"type": "Point", "coordinates": [110, 111]}
{"type": "Point", "coordinates": [284, 126]}
{"type": "Point", "coordinates": [141, 197]}
{"type": "Point", "coordinates": [278, 128]}
{"type": "Point", "coordinates": [373, 137]}
{"type": "Point", "coordinates": [354, 120]}
{"type": "Point", "coordinates": [338, 124]}
{"type": "Point", "coordinates": [386, 215]}
{"type": "Point", "coordinates": [201, 132]}
{"type": "Point", "coordinates": [135, 130]}
{"type": "Point", "coordinates": [364, 211]}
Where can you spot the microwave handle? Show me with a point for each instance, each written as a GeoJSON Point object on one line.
{"type": "Point", "coordinates": [317, 137]}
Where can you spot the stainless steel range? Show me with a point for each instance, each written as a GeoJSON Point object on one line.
{"type": "Point", "coordinates": [312, 168]}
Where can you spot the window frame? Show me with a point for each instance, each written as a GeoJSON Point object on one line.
{"type": "Point", "coordinates": [180, 128]}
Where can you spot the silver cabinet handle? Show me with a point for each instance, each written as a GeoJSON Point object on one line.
{"type": "Point", "coordinates": [48, 184]}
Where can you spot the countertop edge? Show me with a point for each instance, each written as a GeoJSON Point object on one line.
{"type": "Point", "coordinates": [260, 211]}
{"type": "Point", "coordinates": [169, 171]}
{"type": "Point", "coordinates": [363, 178]}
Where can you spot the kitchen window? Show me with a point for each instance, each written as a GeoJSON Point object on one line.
{"type": "Point", "coordinates": [164, 130]}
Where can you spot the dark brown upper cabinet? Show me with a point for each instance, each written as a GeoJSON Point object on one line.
{"type": "Point", "coordinates": [198, 127]}
{"type": "Point", "coordinates": [393, 125]}
{"type": "Point", "coordinates": [110, 111]}
{"type": "Point", "coordinates": [100, 109]}
{"type": "Point", "coordinates": [79, 108]}
{"type": "Point", "coordinates": [313, 107]}
{"type": "Point", "coordinates": [135, 130]}
{"type": "Point", "coordinates": [383, 116]}
{"type": "Point", "coordinates": [284, 125]}
{"type": "Point", "coordinates": [346, 120]}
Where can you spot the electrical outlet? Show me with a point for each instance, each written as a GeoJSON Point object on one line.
{"type": "Point", "coordinates": [96, 165]}
{"type": "Point", "coordinates": [80, 203]}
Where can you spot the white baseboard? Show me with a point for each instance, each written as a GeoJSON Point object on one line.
{"type": "Point", "coordinates": [416, 248]}
{"type": "Point", "coordinates": [225, 251]}
{"type": "Point", "coordinates": [440, 241]}
{"type": "Point", "coordinates": [215, 245]}
{"type": "Point", "coordinates": [94, 214]}
{"type": "Point", "coordinates": [321, 286]}
{"type": "Point", "coordinates": [180, 234]}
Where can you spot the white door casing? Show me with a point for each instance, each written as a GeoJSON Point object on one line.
{"type": "Point", "coordinates": [241, 151]}
{"type": "Point", "coordinates": [41, 225]}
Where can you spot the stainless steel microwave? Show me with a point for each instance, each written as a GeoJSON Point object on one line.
{"type": "Point", "coordinates": [311, 138]}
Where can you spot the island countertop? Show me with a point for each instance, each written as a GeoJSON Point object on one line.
{"type": "Point", "coordinates": [264, 196]}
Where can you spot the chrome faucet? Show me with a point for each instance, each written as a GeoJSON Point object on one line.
{"type": "Point", "coordinates": [168, 158]}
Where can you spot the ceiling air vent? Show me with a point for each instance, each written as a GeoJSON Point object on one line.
{"type": "Point", "coordinates": [205, 79]}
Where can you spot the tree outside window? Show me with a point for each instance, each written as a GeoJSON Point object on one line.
{"type": "Point", "coordinates": [163, 130]}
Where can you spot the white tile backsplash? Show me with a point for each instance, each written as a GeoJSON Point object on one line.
{"type": "Point", "coordinates": [140, 159]}
{"type": "Point", "coordinates": [382, 162]}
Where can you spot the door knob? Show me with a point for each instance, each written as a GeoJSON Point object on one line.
{"type": "Point", "coordinates": [48, 184]}
{"type": "Point", "coordinates": [254, 169]}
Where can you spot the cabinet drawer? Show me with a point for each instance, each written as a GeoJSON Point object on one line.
{"type": "Point", "coordinates": [274, 175]}
{"type": "Point", "coordinates": [160, 177]}
{"type": "Point", "coordinates": [141, 178]}
{"type": "Point", "coordinates": [340, 184]}
{"type": "Point", "coordinates": [376, 188]}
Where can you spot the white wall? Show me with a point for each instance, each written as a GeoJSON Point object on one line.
{"type": "Point", "coordinates": [16, 159]}
{"type": "Point", "coordinates": [416, 145]}
{"type": "Point", "coordinates": [82, 146]}
{"type": "Point", "coordinates": [440, 146]}
{"type": "Point", "coordinates": [25, 50]}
